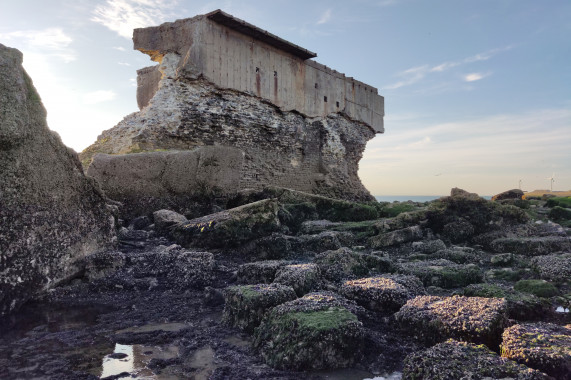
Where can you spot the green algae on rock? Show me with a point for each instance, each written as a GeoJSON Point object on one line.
{"type": "Point", "coordinates": [312, 332]}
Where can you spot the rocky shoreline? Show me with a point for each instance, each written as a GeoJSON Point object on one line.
{"type": "Point", "coordinates": [459, 277]}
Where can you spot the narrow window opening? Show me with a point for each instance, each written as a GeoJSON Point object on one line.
{"type": "Point", "coordinates": [257, 69]}
{"type": "Point", "coordinates": [316, 85]}
{"type": "Point", "coordinates": [337, 104]}
{"type": "Point", "coordinates": [325, 99]}
{"type": "Point", "coordinates": [275, 73]}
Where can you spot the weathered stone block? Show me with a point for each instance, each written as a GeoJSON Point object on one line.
{"type": "Point", "coordinates": [303, 278]}
{"type": "Point", "coordinates": [386, 293]}
{"type": "Point", "coordinates": [473, 319]}
{"type": "Point", "coordinates": [532, 246]}
{"type": "Point", "coordinates": [460, 360]}
{"type": "Point", "coordinates": [443, 273]}
{"type": "Point", "coordinates": [543, 346]}
{"type": "Point", "coordinates": [230, 227]}
{"type": "Point", "coordinates": [312, 332]}
{"type": "Point", "coordinates": [246, 304]}
{"type": "Point", "coordinates": [259, 272]}
{"type": "Point", "coordinates": [345, 264]}
{"type": "Point", "coordinates": [397, 237]}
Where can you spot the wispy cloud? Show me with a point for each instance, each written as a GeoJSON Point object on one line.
{"type": "Point", "coordinates": [416, 74]}
{"type": "Point", "coordinates": [120, 48]}
{"type": "Point", "coordinates": [325, 17]}
{"type": "Point", "coordinates": [122, 16]}
{"type": "Point", "coordinates": [51, 41]}
{"type": "Point", "coordinates": [472, 77]}
{"type": "Point", "coordinates": [124, 63]}
{"type": "Point", "coordinates": [100, 96]}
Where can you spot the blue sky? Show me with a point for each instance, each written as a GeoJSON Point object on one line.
{"type": "Point", "coordinates": [477, 93]}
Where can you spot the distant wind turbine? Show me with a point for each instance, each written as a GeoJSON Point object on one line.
{"type": "Point", "coordinates": [551, 180]}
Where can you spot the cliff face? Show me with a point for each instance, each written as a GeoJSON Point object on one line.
{"type": "Point", "coordinates": [51, 214]}
{"type": "Point", "coordinates": [317, 155]}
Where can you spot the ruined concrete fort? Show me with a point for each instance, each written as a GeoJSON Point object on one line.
{"type": "Point", "coordinates": [225, 88]}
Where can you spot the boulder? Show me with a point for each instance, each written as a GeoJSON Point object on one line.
{"type": "Point", "coordinates": [543, 346]}
{"type": "Point", "coordinates": [51, 214]}
{"type": "Point", "coordinates": [344, 263]}
{"type": "Point", "coordinates": [473, 319]}
{"type": "Point", "coordinates": [428, 246]}
{"type": "Point", "coordinates": [245, 305]}
{"type": "Point", "coordinates": [230, 227]}
{"type": "Point", "coordinates": [316, 331]}
{"type": "Point", "coordinates": [443, 273]}
{"type": "Point", "coordinates": [461, 360]}
{"type": "Point", "coordinates": [509, 194]}
{"type": "Point", "coordinates": [303, 278]}
{"type": "Point", "coordinates": [386, 293]}
{"type": "Point", "coordinates": [166, 219]}
{"type": "Point", "coordinates": [539, 288]}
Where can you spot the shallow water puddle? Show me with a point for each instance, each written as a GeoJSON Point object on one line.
{"type": "Point", "coordinates": [355, 374]}
{"type": "Point", "coordinates": [133, 359]}
{"type": "Point", "coordinates": [203, 361]}
{"type": "Point", "coordinates": [561, 309]}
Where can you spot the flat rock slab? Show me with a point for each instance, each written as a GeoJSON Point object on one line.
{"type": "Point", "coordinates": [544, 346]}
{"type": "Point", "coordinates": [443, 273]}
{"type": "Point", "coordinates": [473, 319]}
{"type": "Point", "coordinates": [386, 293]}
{"type": "Point", "coordinates": [246, 304]}
{"type": "Point", "coordinates": [303, 278]}
{"type": "Point", "coordinates": [259, 272]}
{"type": "Point", "coordinates": [313, 332]}
{"type": "Point", "coordinates": [532, 246]}
{"type": "Point", "coordinates": [460, 360]}
{"type": "Point", "coordinates": [230, 227]}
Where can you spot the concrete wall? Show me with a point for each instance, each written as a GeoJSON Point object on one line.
{"type": "Point", "coordinates": [237, 61]}
{"type": "Point", "coordinates": [147, 84]}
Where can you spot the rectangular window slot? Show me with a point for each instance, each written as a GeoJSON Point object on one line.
{"type": "Point", "coordinates": [275, 73]}
{"type": "Point", "coordinates": [316, 85]}
{"type": "Point", "coordinates": [325, 99]}
{"type": "Point", "coordinates": [337, 104]}
{"type": "Point", "coordinates": [257, 69]}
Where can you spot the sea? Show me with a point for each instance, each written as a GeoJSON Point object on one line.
{"type": "Point", "coordinates": [414, 198]}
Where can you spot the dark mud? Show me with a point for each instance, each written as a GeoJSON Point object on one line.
{"type": "Point", "coordinates": [80, 331]}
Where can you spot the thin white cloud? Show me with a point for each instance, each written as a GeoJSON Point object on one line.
{"type": "Point", "coordinates": [122, 16]}
{"type": "Point", "coordinates": [120, 48]}
{"type": "Point", "coordinates": [51, 41]}
{"type": "Point", "coordinates": [124, 63]}
{"type": "Point", "coordinates": [100, 96]}
{"type": "Point", "coordinates": [472, 77]}
{"type": "Point", "coordinates": [416, 74]}
{"type": "Point", "coordinates": [325, 17]}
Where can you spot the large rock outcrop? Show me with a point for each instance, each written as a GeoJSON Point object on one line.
{"type": "Point", "coordinates": [51, 214]}
{"type": "Point", "coordinates": [277, 146]}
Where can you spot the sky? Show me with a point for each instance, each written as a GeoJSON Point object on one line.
{"type": "Point", "coordinates": [477, 93]}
